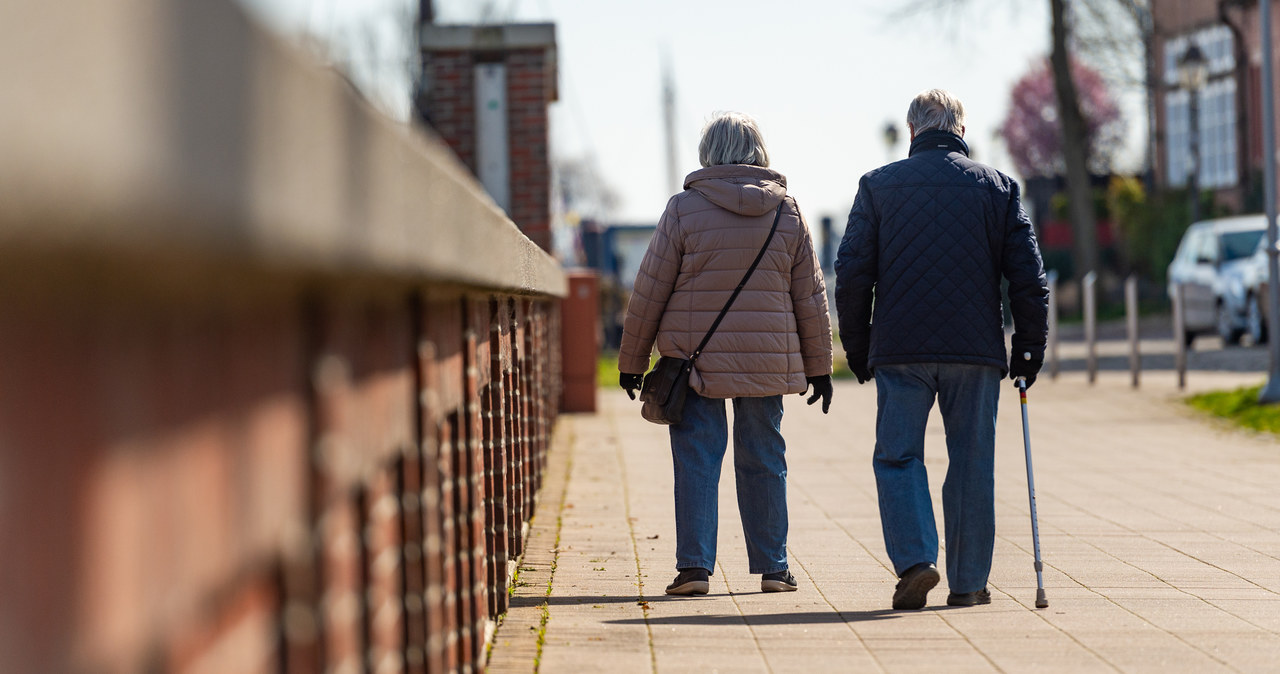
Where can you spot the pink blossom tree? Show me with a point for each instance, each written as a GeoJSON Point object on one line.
{"type": "Point", "coordinates": [1032, 129]}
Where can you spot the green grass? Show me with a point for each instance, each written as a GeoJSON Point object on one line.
{"type": "Point", "coordinates": [607, 369]}
{"type": "Point", "coordinates": [1241, 407]}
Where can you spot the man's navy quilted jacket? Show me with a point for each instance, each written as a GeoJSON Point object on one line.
{"type": "Point", "coordinates": [928, 239]}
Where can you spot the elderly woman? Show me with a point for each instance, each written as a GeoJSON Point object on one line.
{"type": "Point", "coordinates": [775, 339]}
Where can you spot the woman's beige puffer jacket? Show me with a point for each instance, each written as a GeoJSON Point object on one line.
{"type": "Point", "coordinates": [776, 333]}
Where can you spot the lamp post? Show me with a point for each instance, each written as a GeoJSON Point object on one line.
{"type": "Point", "coordinates": [890, 139]}
{"type": "Point", "coordinates": [1271, 392]}
{"type": "Point", "coordinates": [1193, 71]}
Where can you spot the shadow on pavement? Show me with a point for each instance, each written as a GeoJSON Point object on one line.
{"type": "Point", "coordinates": [578, 600]}
{"type": "Point", "coordinates": [810, 618]}
{"type": "Point", "coordinates": [1236, 359]}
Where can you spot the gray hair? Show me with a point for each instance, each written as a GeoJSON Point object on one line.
{"type": "Point", "coordinates": [732, 138]}
{"type": "Point", "coordinates": [936, 109]}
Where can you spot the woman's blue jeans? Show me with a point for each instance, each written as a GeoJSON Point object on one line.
{"type": "Point", "coordinates": [698, 445]}
{"type": "Point", "coordinates": [967, 397]}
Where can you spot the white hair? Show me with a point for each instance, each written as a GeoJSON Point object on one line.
{"type": "Point", "coordinates": [936, 109]}
{"type": "Point", "coordinates": [732, 138]}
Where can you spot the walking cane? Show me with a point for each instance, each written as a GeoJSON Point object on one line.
{"type": "Point", "coordinates": [1041, 600]}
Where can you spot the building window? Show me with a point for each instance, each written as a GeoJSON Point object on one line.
{"type": "Point", "coordinates": [1217, 110]}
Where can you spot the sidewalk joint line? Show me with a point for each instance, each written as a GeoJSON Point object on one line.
{"type": "Point", "coordinates": [635, 547]}
{"type": "Point", "coordinates": [1131, 612]}
{"type": "Point", "coordinates": [855, 539]}
{"type": "Point", "coordinates": [544, 609]}
{"type": "Point", "coordinates": [551, 577]}
{"type": "Point", "coordinates": [1183, 553]}
{"type": "Point", "coordinates": [724, 578]}
{"type": "Point", "coordinates": [792, 556]}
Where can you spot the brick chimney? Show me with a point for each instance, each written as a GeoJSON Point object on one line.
{"type": "Point", "coordinates": [486, 91]}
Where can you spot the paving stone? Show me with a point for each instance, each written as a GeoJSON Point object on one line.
{"type": "Point", "coordinates": [1160, 532]}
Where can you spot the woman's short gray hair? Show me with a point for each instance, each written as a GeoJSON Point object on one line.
{"type": "Point", "coordinates": [732, 138]}
{"type": "Point", "coordinates": [936, 109]}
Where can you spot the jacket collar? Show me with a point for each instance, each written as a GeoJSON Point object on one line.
{"type": "Point", "coordinates": [936, 139]}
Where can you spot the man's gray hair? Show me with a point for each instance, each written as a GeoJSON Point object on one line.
{"type": "Point", "coordinates": [732, 138]}
{"type": "Point", "coordinates": [936, 109]}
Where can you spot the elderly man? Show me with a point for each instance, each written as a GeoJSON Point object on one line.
{"type": "Point", "coordinates": [928, 239]}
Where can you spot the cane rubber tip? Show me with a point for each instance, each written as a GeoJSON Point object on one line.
{"type": "Point", "coordinates": [1041, 600]}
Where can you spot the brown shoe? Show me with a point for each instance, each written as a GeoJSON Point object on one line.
{"type": "Point", "coordinates": [982, 596]}
{"type": "Point", "coordinates": [913, 588]}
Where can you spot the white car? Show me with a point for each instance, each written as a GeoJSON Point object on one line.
{"type": "Point", "coordinates": [1242, 293]}
{"type": "Point", "coordinates": [1210, 254]}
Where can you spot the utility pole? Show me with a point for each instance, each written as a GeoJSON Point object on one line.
{"type": "Point", "coordinates": [669, 123]}
{"type": "Point", "coordinates": [1271, 392]}
{"type": "Point", "coordinates": [418, 96]}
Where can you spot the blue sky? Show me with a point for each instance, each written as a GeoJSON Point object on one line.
{"type": "Point", "coordinates": [823, 77]}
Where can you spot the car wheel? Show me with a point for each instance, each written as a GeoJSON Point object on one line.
{"type": "Point", "coordinates": [1256, 321]}
{"type": "Point", "coordinates": [1226, 329]}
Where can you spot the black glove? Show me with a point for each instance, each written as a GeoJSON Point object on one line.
{"type": "Point", "coordinates": [1025, 364]}
{"type": "Point", "coordinates": [631, 383]}
{"type": "Point", "coordinates": [858, 365]}
{"type": "Point", "coordinates": [821, 389]}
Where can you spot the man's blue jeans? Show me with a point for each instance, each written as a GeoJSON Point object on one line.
{"type": "Point", "coordinates": [967, 397]}
{"type": "Point", "coordinates": [698, 445]}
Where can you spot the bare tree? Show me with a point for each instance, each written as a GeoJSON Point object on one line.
{"type": "Point", "coordinates": [1084, 227]}
{"type": "Point", "coordinates": [1066, 18]}
{"type": "Point", "coordinates": [1115, 38]}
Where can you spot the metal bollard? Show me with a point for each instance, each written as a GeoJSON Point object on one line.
{"type": "Point", "coordinates": [1089, 286]}
{"type": "Point", "coordinates": [1179, 336]}
{"type": "Point", "coordinates": [1054, 364]}
{"type": "Point", "coordinates": [1131, 318]}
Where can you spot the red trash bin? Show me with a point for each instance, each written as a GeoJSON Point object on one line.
{"type": "Point", "coordinates": [580, 341]}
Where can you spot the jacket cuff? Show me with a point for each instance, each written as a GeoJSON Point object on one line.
{"type": "Point", "coordinates": [1020, 346]}
{"type": "Point", "coordinates": [633, 365]}
{"type": "Point", "coordinates": [816, 367]}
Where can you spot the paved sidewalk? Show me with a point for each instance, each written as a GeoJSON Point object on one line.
{"type": "Point", "coordinates": [1160, 531]}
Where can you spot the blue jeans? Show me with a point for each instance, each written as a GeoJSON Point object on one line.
{"type": "Point", "coordinates": [967, 397]}
{"type": "Point", "coordinates": [697, 449]}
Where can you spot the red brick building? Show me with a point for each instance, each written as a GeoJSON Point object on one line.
{"type": "Point", "coordinates": [1229, 102]}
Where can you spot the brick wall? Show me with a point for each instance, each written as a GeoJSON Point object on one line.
{"type": "Point", "coordinates": [261, 409]}
{"type": "Point", "coordinates": [289, 483]}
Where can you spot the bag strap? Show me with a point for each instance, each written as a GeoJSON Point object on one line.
{"type": "Point", "coordinates": [741, 284]}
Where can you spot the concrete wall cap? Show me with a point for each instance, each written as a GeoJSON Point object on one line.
{"type": "Point", "coordinates": [181, 129]}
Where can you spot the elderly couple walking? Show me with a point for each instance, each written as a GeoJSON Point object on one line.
{"type": "Point", "coordinates": [918, 295]}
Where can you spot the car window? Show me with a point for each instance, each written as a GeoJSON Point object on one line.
{"type": "Point", "coordinates": [1206, 247]}
{"type": "Point", "coordinates": [1190, 247]}
{"type": "Point", "coordinates": [1236, 245]}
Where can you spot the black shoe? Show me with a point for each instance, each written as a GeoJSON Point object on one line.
{"type": "Point", "coordinates": [913, 588]}
{"type": "Point", "coordinates": [690, 581]}
{"type": "Point", "coordinates": [982, 596]}
{"type": "Point", "coordinates": [778, 581]}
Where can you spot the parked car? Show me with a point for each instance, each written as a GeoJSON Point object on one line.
{"type": "Point", "coordinates": [1244, 287]}
{"type": "Point", "coordinates": [1210, 253]}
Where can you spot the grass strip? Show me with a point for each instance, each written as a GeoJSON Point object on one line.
{"type": "Point", "coordinates": [1240, 407]}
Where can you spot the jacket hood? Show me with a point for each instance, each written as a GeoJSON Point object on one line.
{"type": "Point", "coordinates": [739, 188]}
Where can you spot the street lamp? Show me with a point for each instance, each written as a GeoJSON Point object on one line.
{"type": "Point", "coordinates": [890, 138]}
{"type": "Point", "coordinates": [1193, 71]}
{"type": "Point", "coordinates": [1271, 391]}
